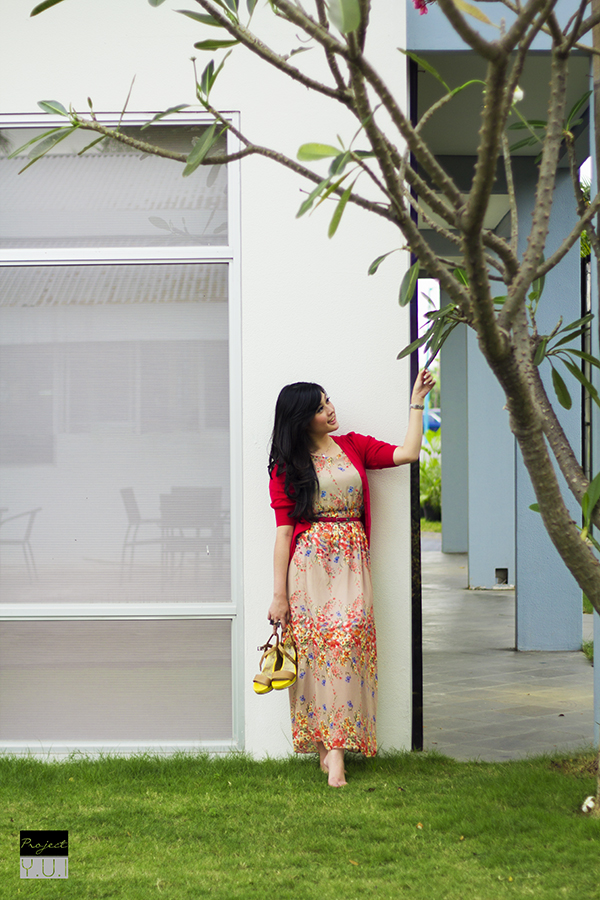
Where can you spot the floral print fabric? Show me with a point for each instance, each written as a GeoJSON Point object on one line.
{"type": "Point", "coordinates": [331, 604]}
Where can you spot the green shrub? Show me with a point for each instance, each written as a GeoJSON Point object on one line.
{"type": "Point", "coordinates": [430, 467]}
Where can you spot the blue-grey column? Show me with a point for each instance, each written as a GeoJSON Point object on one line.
{"type": "Point", "coordinates": [548, 600]}
{"type": "Point", "coordinates": [491, 476]}
{"type": "Point", "coordinates": [455, 466]}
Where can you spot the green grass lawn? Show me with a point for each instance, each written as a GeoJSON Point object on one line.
{"type": "Point", "coordinates": [410, 825]}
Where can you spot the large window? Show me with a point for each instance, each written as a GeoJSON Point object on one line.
{"type": "Point", "coordinates": [116, 547]}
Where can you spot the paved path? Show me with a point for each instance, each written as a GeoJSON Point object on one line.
{"type": "Point", "coordinates": [482, 699]}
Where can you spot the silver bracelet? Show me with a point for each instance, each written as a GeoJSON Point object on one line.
{"type": "Point", "coordinates": [416, 406]}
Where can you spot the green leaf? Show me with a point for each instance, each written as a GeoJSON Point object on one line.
{"type": "Point", "coordinates": [575, 109]}
{"type": "Point", "coordinates": [499, 301]}
{"type": "Point", "coordinates": [540, 351]}
{"type": "Point", "coordinates": [344, 14]}
{"type": "Point", "coordinates": [198, 17]}
{"type": "Point", "coordinates": [339, 210]}
{"type": "Point", "coordinates": [409, 283]}
{"type": "Point", "coordinates": [461, 87]}
{"type": "Point", "coordinates": [306, 205]}
{"type": "Point", "coordinates": [560, 388]}
{"type": "Point", "coordinates": [580, 377]}
{"type": "Point", "coordinates": [308, 152]}
{"type": "Point", "coordinates": [48, 144]}
{"type": "Point", "coordinates": [35, 140]}
{"type": "Point", "coordinates": [41, 7]}
{"type": "Point", "coordinates": [439, 338]}
{"type": "Point", "coordinates": [251, 4]}
{"type": "Point", "coordinates": [569, 337]}
{"type": "Point", "coordinates": [592, 360]}
{"type": "Point", "coordinates": [592, 495]}
{"type": "Point", "coordinates": [535, 507]}
{"type": "Point", "coordinates": [298, 50]}
{"type": "Point", "coordinates": [528, 123]}
{"type": "Point", "coordinates": [53, 107]}
{"type": "Point", "coordinates": [427, 66]}
{"type": "Point", "coordinates": [167, 112]}
{"type": "Point", "coordinates": [590, 537]}
{"type": "Point", "coordinates": [233, 5]}
{"type": "Point", "coordinates": [200, 150]}
{"type": "Point", "coordinates": [377, 262]}
{"type": "Point", "coordinates": [414, 346]}
{"type": "Point", "coordinates": [537, 286]}
{"type": "Point", "coordinates": [339, 163]}
{"type": "Point", "coordinates": [156, 2]}
{"type": "Point", "coordinates": [526, 142]}
{"type": "Point", "coordinates": [441, 313]}
{"type": "Point", "coordinates": [578, 322]}
{"type": "Point", "coordinates": [331, 188]}
{"type": "Point", "coordinates": [472, 11]}
{"type": "Point", "coordinates": [214, 45]}
{"type": "Point", "coordinates": [461, 275]}
{"type": "Point", "coordinates": [92, 144]}
{"type": "Point", "coordinates": [210, 75]}
{"type": "Point", "coordinates": [207, 77]}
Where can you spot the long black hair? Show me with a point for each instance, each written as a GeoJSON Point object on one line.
{"type": "Point", "coordinates": [290, 445]}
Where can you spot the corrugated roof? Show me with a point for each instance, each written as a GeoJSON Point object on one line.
{"type": "Point", "coordinates": [106, 284]}
{"type": "Point", "coordinates": [65, 200]}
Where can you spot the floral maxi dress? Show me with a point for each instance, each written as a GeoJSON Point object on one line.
{"type": "Point", "coordinates": [331, 604]}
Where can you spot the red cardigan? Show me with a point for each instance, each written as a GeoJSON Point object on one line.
{"type": "Point", "coordinates": [364, 452]}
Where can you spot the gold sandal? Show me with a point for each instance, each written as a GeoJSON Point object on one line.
{"type": "Point", "coordinates": [288, 672]}
{"type": "Point", "coordinates": [270, 662]}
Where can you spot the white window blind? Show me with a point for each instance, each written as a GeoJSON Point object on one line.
{"type": "Point", "coordinates": [114, 434]}
{"type": "Point", "coordinates": [112, 195]}
{"type": "Point", "coordinates": [115, 452]}
{"type": "Point", "coordinates": [115, 681]}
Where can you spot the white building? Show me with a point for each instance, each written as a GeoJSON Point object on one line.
{"type": "Point", "coordinates": [147, 324]}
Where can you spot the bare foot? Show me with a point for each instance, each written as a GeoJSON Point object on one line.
{"type": "Point", "coordinates": [334, 761]}
{"type": "Point", "coordinates": [322, 756]}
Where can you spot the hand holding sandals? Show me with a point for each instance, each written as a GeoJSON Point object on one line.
{"type": "Point", "coordinates": [278, 664]}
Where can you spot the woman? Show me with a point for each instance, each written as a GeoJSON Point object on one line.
{"type": "Point", "coordinates": [322, 579]}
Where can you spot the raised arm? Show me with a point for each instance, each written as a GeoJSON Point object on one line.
{"type": "Point", "coordinates": [410, 449]}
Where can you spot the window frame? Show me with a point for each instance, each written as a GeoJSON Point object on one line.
{"type": "Point", "coordinates": [230, 255]}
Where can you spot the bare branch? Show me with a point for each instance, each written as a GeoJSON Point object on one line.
{"type": "Point", "coordinates": [580, 202]}
{"type": "Point", "coordinates": [544, 193]}
{"type": "Point", "coordinates": [253, 43]}
{"type": "Point", "coordinates": [417, 243]}
{"type": "Point", "coordinates": [585, 223]}
{"type": "Point", "coordinates": [517, 31]}
{"type": "Point", "coordinates": [471, 37]}
{"type": "Point", "coordinates": [587, 25]}
{"type": "Point", "coordinates": [329, 56]}
{"type": "Point", "coordinates": [577, 18]}
{"type": "Point", "coordinates": [512, 198]}
{"type": "Point", "coordinates": [559, 444]}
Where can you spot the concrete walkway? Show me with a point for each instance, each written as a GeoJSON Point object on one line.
{"type": "Point", "coordinates": [482, 699]}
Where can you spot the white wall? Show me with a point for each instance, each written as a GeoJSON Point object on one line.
{"type": "Point", "coordinates": [309, 311]}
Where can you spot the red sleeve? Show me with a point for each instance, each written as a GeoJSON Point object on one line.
{"type": "Point", "coordinates": [280, 501]}
{"type": "Point", "coordinates": [375, 454]}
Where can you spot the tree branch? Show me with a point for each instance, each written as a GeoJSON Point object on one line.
{"type": "Point", "coordinates": [544, 192]}
{"type": "Point", "coordinates": [329, 55]}
{"type": "Point", "coordinates": [254, 44]}
{"type": "Point", "coordinates": [512, 198]}
{"type": "Point", "coordinates": [584, 223]}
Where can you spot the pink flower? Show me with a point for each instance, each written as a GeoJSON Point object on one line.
{"type": "Point", "coordinates": [421, 5]}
